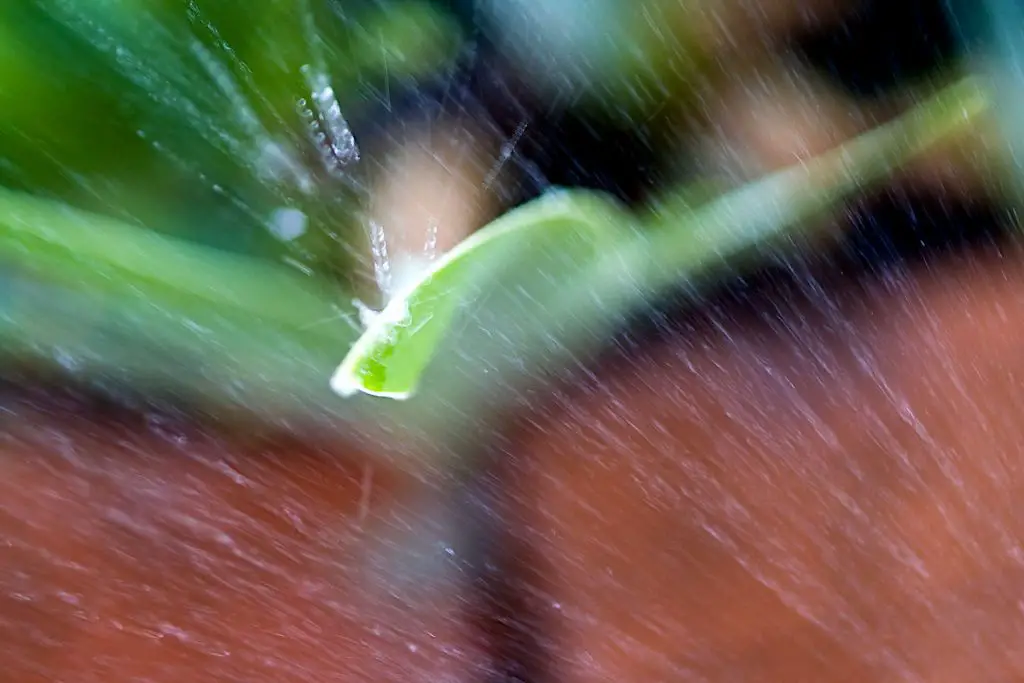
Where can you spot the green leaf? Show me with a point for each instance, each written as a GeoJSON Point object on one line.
{"type": "Point", "coordinates": [61, 243]}
{"type": "Point", "coordinates": [621, 265]}
{"type": "Point", "coordinates": [390, 357]}
{"type": "Point", "coordinates": [130, 309]}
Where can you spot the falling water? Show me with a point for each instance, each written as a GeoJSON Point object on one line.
{"type": "Point", "coordinates": [815, 468]}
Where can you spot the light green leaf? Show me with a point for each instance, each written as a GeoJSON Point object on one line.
{"type": "Point", "coordinates": [392, 354]}
{"type": "Point", "coordinates": [626, 260]}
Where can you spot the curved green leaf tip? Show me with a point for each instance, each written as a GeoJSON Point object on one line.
{"type": "Point", "coordinates": [392, 354]}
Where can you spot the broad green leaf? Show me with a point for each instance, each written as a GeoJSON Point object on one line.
{"type": "Point", "coordinates": [624, 266]}
{"type": "Point", "coordinates": [134, 311]}
{"type": "Point", "coordinates": [60, 243]}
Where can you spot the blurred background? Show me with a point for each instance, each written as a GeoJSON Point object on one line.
{"type": "Point", "coordinates": [202, 204]}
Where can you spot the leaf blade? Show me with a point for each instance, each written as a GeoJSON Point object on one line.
{"type": "Point", "coordinates": [388, 360]}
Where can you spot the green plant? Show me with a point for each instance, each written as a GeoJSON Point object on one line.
{"type": "Point", "coordinates": [136, 188]}
{"type": "Point", "coordinates": [113, 300]}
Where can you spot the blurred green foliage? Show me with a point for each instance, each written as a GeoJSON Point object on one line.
{"type": "Point", "coordinates": [188, 116]}
{"type": "Point", "coordinates": [148, 149]}
{"type": "Point", "coordinates": [623, 58]}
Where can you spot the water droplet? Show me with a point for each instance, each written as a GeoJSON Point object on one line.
{"type": "Point", "coordinates": [288, 224]}
{"type": "Point", "coordinates": [381, 262]}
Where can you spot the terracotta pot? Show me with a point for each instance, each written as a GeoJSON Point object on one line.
{"type": "Point", "coordinates": [160, 550]}
{"type": "Point", "coordinates": [814, 478]}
